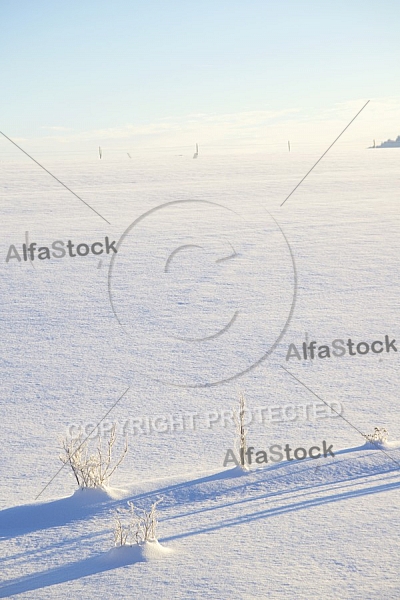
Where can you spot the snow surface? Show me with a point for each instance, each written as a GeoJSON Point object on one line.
{"type": "Point", "coordinates": [325, 528]}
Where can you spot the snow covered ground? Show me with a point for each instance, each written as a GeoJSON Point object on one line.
{"type": "Point", "coordinates": [185, 336]}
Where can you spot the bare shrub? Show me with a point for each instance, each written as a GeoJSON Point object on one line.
{"type": "Point", "coordinates": [380, 435]}
{"type": "Point", "coordinates": [121, 531]}
{"type": "Point", "coordinates": [141, 525]}
{"type": "Point", "coordinates": [241, 431]}
{"type": "Point", "coordinates": [146, 525]}
{"type": "Point", "coordinates": [91, 468]}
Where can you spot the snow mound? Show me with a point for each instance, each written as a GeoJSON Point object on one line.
{"type": "Point", "coordinates": [382, 445]}
{"type": "Point", "coordinates": [236, 472]}
{"type": "Point", "coordinates": [85, 496]}
{"type": "Point", "coordinates": [125, 555]}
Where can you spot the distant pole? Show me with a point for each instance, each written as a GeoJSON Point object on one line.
{"type": "Point", "coordinates": [374, 143]}
{"type": "Point", "coordinates": [100, 152]}
{"type": "Point", "coordinates": [288, 145]}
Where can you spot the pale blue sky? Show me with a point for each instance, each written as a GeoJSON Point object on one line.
{"type": "Point", "coordinates": [94, 65]}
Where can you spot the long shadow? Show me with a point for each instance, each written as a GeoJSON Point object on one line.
{"type": "Point", "coordinates": [300, 490]}
{"type": "Point", "coordinates": [29, 555]}
{"type": "Point", "coordinates": [25, 519]}
{"type": "Point", "coordinates": [227, 474]}
{"type": "Point", "coordinates": [271, 512]}
{"type": "Point", "coordinates": [112, 560]}
{"type": "Point", "coordinates": [197, 490]}
{"type": "Point", "coordinates": [83, 568]}
{"type": "Point", "coordinates": [251, 477]}
{"type": "Point", "coordinates": [20, 520]}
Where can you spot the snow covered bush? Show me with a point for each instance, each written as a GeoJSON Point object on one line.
{"type": "Point", "coordinates": [121, 531]}
{"type": "Point", "coordinates": [380, 435]}
{"type": "Point", "coordinates": [92, 468]}
{"type": "Point", "coordinates": [146, 525]}
{"type": "Point", "coordinates": [141, 526]}
{"type": "Point", "coordinates": [241, 432]}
